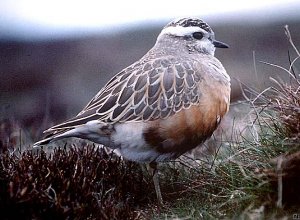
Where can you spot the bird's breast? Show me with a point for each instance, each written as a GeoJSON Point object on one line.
{"type": "Point", "coordinates": [190, 127]}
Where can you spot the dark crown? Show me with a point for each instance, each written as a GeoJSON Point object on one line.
{"type": "Point", "coordinates": [191, 22]}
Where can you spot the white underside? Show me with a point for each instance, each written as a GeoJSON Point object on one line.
{"type": "Point", "coordinates": [127, 139]}
{"type": "Point", "coordinates": [132, 146]}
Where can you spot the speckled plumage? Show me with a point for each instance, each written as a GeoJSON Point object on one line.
{"type": "Point", "coordinates": [166, 103]}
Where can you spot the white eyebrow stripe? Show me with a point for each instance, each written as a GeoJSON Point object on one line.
{"type": "Point", "coordinates": [181, 31]}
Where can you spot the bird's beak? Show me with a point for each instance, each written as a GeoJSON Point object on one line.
{"type": "Point", "coordinates": [220, 44]}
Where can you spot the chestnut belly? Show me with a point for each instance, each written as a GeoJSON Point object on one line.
{"type": "Point", "coordinates": [181, 132]}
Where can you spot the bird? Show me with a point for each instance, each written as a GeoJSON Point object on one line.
{"type": "Point", "coordinates": [163, 105]}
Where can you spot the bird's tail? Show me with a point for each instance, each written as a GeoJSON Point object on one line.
{"type": "Point", "coordinates": [95, 131]}
{"type": "Point", "coordinates": [50, 138]}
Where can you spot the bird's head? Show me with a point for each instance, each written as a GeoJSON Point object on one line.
{"type": "Point", "coordinates": [195, 34]}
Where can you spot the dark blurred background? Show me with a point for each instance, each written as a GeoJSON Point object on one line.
{"type": "Point", "coordinates": [52, 74]}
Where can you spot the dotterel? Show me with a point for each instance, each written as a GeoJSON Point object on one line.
{"type": "Point", "coordinates": [163, 105]}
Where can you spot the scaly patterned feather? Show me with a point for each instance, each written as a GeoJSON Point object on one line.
{"type": "Point", "coordinates": [147, 90]}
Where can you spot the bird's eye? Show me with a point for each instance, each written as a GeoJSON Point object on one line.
{"type": "Point", "coordinates": [198, 35]}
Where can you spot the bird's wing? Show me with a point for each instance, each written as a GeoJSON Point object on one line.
{"type": "Point", "coordinates": [144, 91]}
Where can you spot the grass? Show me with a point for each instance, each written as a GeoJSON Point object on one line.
{"type": "Point", "coordinates": [251, 174]}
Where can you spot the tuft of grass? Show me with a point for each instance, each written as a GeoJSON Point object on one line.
{"type": "Point", "coordinates": [79, 183]}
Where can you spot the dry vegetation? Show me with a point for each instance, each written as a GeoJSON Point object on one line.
{"type": "Point", "coordinates": [80, 183]}
{"type": "Point", "coordinates": [253, 175]}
